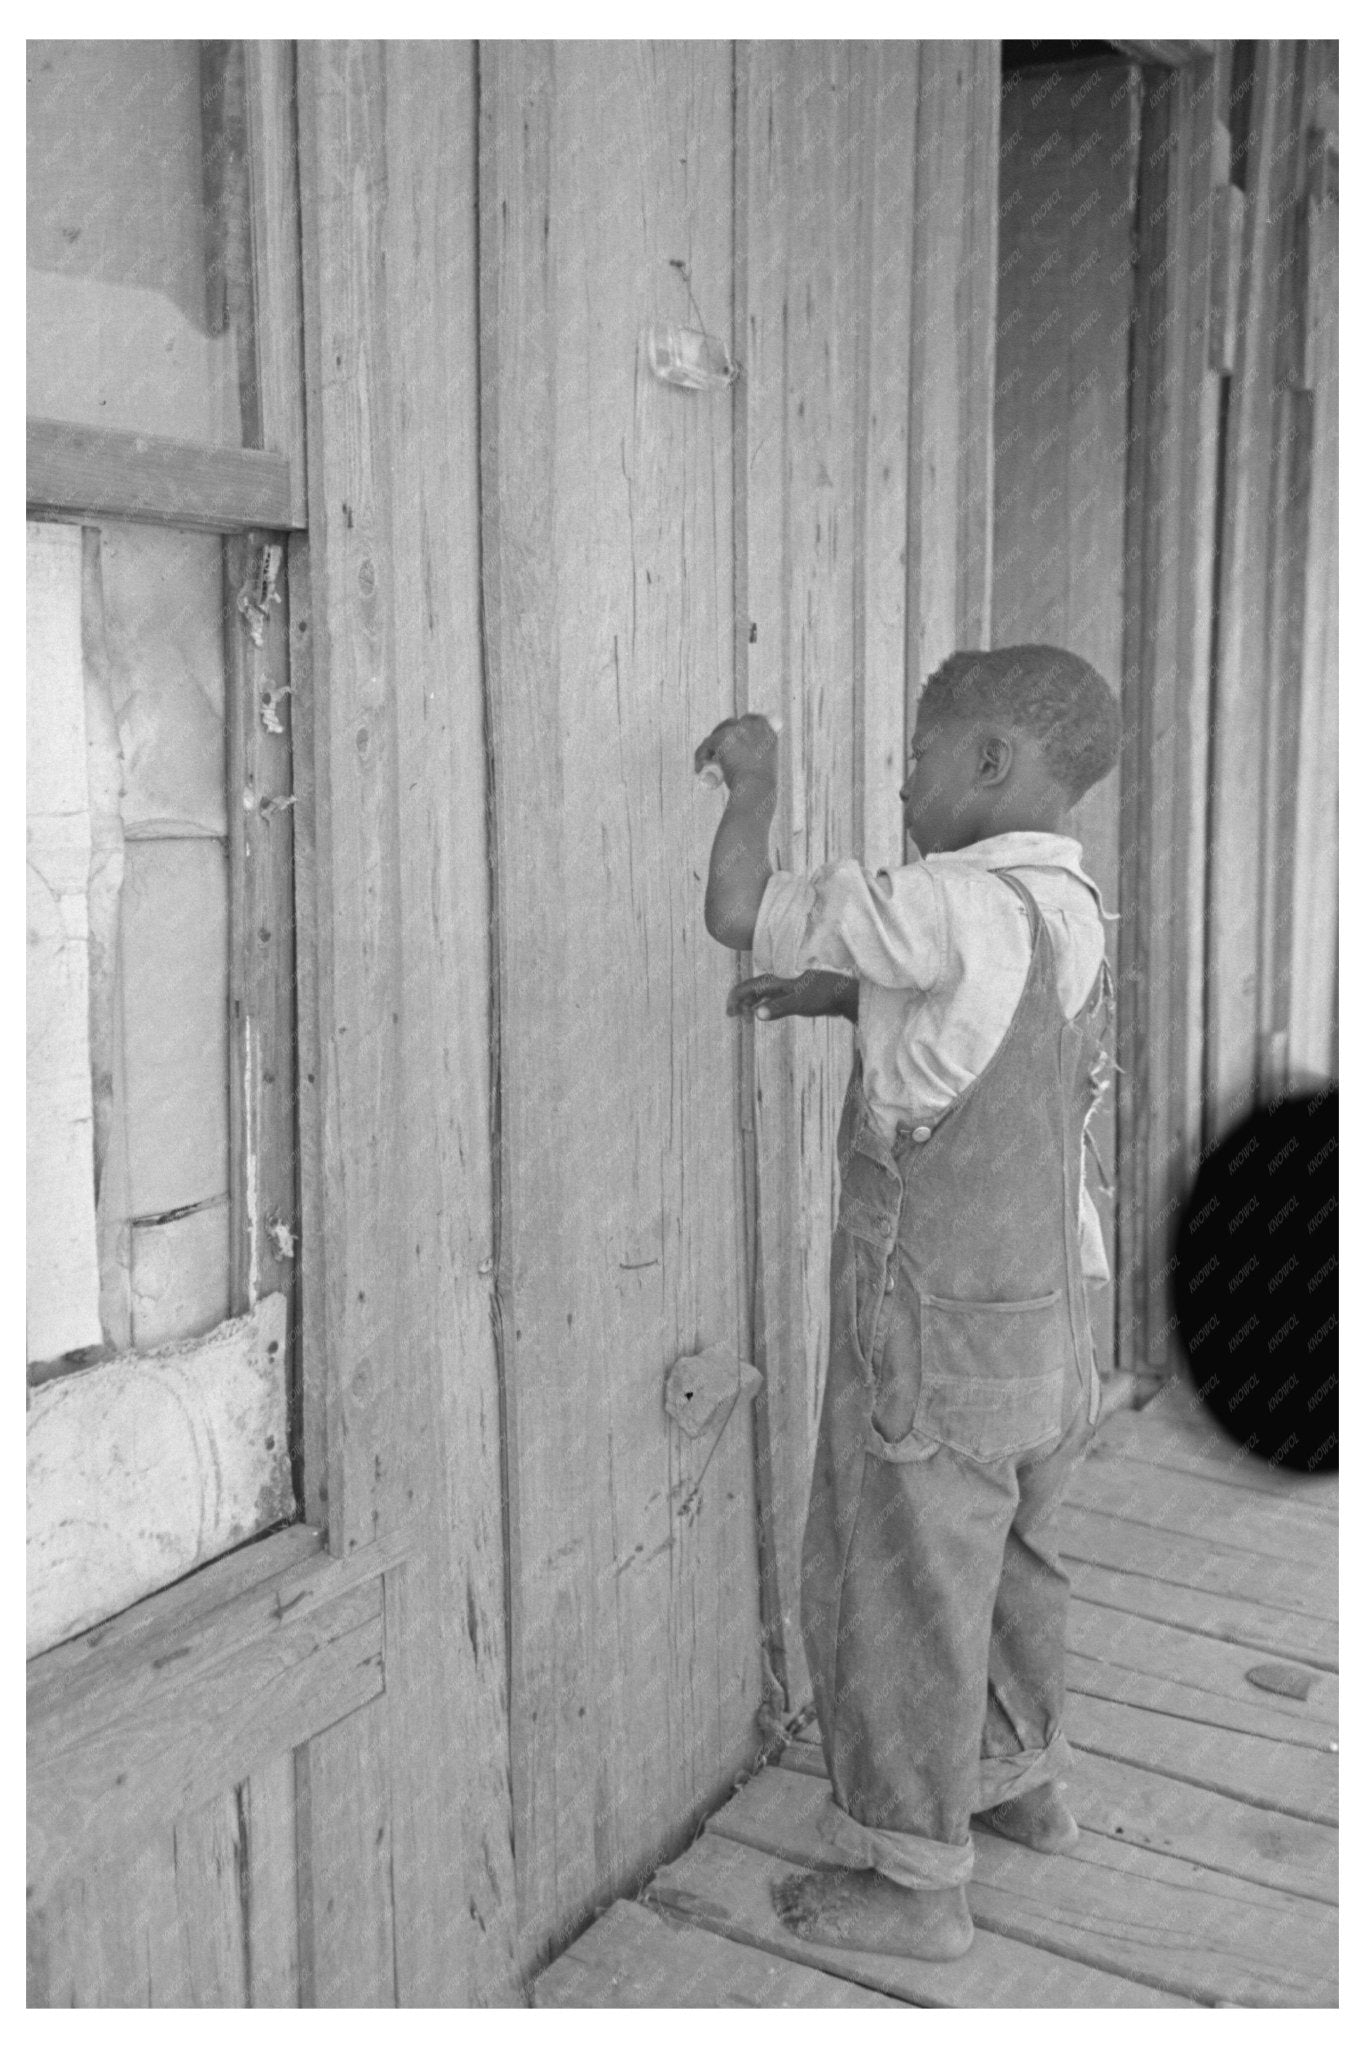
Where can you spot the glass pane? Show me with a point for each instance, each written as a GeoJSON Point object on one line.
{"type": "Point", "coordinates": [138, 246]}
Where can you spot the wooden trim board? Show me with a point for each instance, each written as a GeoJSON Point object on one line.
{"type": "Point", "coordinates": [95, 472]}
{"type": "Point", "coordinates": [181, 1739]}
{"type": "Point", "coordinates": [262, 986]}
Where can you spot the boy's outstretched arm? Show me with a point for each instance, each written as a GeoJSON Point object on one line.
{"type": "Point", "coordinates": [745, 750]}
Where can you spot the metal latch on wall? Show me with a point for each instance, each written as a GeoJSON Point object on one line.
{"type": "Point", "coordinates": [705, 1383]}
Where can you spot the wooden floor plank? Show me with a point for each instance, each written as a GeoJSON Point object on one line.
{"type": "Point", "coordinates": [1204, 1450]}
{"type": "Point", "coordinates": [1160, 1920]}
{"type": "Point", "coordinates": [633, 1957]}
{"type": "Point", "coordinates": [1267, 1775]}
{"type": "Point", "coordinates": [1107, 1681]}
{"type": "Point", "coordinates": [1188, 1504]}
{"type": "Point", "coordinates": [1225, 1618]}
{"type": "Point", "coordinates": [1210, 1830]}
{"type": "Point", "coordinates": [726, 1885]}
{"type": "Point", "coordinates": [1201, 1562]}
{"type": "Point", "coordinates": [1206, 1830]}
{"type": "Point", "coordinates": [1131, 1645]}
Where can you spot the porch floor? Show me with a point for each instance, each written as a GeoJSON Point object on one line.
{"type": "Point", "coordinates": [1206, 1873]}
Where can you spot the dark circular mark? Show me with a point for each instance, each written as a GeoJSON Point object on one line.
{"type": "Point", "coordinates": [1255, 1282]}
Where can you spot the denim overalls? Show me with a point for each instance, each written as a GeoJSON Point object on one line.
{"type": "Point", "coordinates": [961, 1391]}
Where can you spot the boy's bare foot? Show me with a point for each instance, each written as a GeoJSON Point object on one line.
{"type": "Point", "coordinates": [1039, 1818]}
{"type": "Point", "coordinates": [862, 1909]}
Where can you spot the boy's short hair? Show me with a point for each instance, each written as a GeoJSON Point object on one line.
{"type": "Point", "coordinates": [1060, 699]}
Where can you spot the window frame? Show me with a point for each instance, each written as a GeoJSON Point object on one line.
{"type": "Point", "coordinates": [256, 499]}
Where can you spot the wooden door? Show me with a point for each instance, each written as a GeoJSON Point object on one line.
{"type": "Point", "coordinates": [609, 581]}
{"type": "Point", "coordinates": [806, 542]}
{"type": "Point", "coordinates": [283, 1780]}
{"type": "Point", "coordinates": [1068, 195]}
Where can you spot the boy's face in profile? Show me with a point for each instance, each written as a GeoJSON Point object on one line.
{"type": "Point", "coordinates": [971, 779]}
{"type": "Point", "coordinates": [939, 797]}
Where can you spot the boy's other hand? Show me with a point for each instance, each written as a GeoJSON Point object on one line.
{"type": "Point", "coordinates": [744, 749]}
{"type": "Point", "coordinates": [818, 992]}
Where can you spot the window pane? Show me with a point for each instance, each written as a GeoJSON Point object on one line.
{"type": "Point", "coordinates": [138, 246]}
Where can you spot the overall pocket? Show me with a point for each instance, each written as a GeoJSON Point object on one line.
{"type": "Point", "coordinates": [993, 1374]}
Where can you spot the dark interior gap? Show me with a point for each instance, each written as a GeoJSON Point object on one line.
{"type": "Point", "coordinates": [1027, 56]}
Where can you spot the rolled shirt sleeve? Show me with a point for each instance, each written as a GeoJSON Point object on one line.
{"type": "Point", "coordinates": [886, 927]}
{"type": "Point", "coordinates": [781, 923]}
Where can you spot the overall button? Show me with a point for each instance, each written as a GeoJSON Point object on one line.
{"type": "Point", "coordinates": [920, 1133]}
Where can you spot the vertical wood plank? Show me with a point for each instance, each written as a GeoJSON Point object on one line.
{"type": "Point", "coordinates": [1169, 551]}
{"type": "Point", "coordinates": [978, 122]}
{"type": "Point", "coordinates": [1068, 168]}
{"type": "Point", "coordinates": [1186, 668]}
{"type": "Point", "coordinates": [398, 1040]}
{"type": "Point", "coordinates": [1237, 794]}
{"type": "Point", "coordinates": [346, 1933]}
{"type": "Point", "coordinates": [800, 195]}
{"type": "Point", "coordinates": [445, 1619]}
{"type": "Point", "coordinates": [1290, 513]}
{"type": "Point", "coordinates": [315, 1409]}
{"type": "Point", "coordinates": [272, 142]}
{"type": "Point", "coordinates": [886, 116]}
{"type": "Point", "coordinates": [209, 1869]}
{"type": "Point", "coordinates": [608, 599]}
{"type": "Point", "coordinates": [162, 1926]}
{"type": "Point", "coordinates": [826, 183]}
{"type": "Point", "coordinates": [261, 982]}
{"type": "Point", "coordinates": [270, 1850]}
{"type": "Point", "coordinates": [953, 296]}
{"type": "Point", "coordinates": [359, 928]}
{"type": "Point", "coordinates": [1313, 981]}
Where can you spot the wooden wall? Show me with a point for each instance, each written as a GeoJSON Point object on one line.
{"type": "Point", "coordinates": [539, 1163]}
{"type": "Point", "coordinates": [1228, 886]}
{"type": "Point", "coordinates": [1068, 197]}
{"type": "Point", "coordinates": [409, 1861]}
{"type": "Point", "coordinates": [655, 560]}
{"type": "Point", "coordinates": [609, 593]}
{"type": "Point", "coordinates": [1275, 692]}
{"type": "Point", "coordinates": [286, 1779]}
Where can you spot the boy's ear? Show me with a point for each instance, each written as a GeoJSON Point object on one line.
{"type": "Point", "coordinates": [996, 756]}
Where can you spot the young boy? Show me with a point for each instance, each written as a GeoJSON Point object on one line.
{"type": "Point", "coordinates": [961, 1387]}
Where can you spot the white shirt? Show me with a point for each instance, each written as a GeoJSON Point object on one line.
{"type": "Point", "coordinates": [941, 951]}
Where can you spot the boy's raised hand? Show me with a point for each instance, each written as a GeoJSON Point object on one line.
{"type": "Point", "coordinates": [742, 748]}
{"type": "Point", "coordinates": [818, 992]}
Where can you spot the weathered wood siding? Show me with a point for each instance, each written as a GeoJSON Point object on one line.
{"type": "Point", "coordinates": [1228, 885]}
{"type": "Point", "coordinates": [1068, 195]}
{"type": "Point", "coordinates": [402, 1223]}
{"type": "Point", "coordinates": [1276, 657]}
{"type": "Point", "coordinates": [609, 605]}
{"type": "Point", "coordinates": [655, 560]}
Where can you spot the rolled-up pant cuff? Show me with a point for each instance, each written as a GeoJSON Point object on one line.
{"type": "Point", "coordinates": [915, 1861]}
{"type": "Point", "coordinates": [1006, 1777]}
